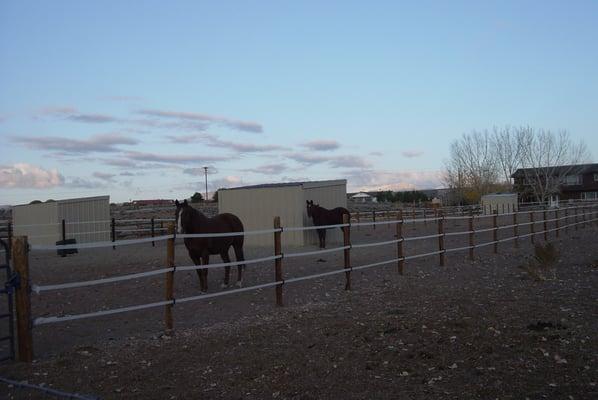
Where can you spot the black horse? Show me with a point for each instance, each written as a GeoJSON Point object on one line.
{"type": "Point", "coordinates": [323, 216]}
{"type": "Point", "coordinates": [190, 220]}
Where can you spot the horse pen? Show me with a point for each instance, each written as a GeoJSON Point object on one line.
{"type": "Point", "coordinates": [399, 269]}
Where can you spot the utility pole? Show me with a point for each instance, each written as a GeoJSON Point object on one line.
{"type": "Point", "coordinates": [206, 175]}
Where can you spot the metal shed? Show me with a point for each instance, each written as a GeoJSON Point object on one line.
{"type": "Point", "coordinates": [257, 206]}
{"type": "Point", "coordinates": [86, 219]}
{"type": "Point", "coordinates": [499, 202]}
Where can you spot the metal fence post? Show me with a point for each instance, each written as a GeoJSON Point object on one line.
{"type": "Point", "coordinates": [347, 252]}
{"type": "Point", "coordinates": [278, 261]}
{"type": "Point", "coordinates": [169, 289]}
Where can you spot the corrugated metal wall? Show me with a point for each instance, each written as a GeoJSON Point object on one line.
{"type": "Point", "coordinates": [257, 207]}
{"type": "Point", "coordinates": [39, 222]}
{"type": "Point", "coordinates": [87, 220]}
{"type": "Point", "coordinates": [328, 196]}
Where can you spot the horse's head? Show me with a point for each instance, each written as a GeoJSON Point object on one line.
{"type": "Point", "coordinates": [311, 208]}
{"type": "Point", "coordinates": [178, 216]}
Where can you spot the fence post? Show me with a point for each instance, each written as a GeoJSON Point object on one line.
{"type": "Point", "coordinates": [374, 219]}
{"type": "Point", "coordinates": [531, 226]}
{"type": "Point", "coordinates": [278, 261]}
{"type": "Point", "coordinates": [583, 216]}
{"type": "Point", "coordinates": [347, 252]}
{"type": "Point", "coordinates": [545, 225]}
{"type": "Point", "coordinates": [153, 232]}
{"type": "Point", "coordinates": [63, 231]}
{"type": "Point", "coordinates": [358, 220]}
{"type": "Point", "coordinates": [495, 231]}
{"type": "Point", "coordinates": [556, 217]}
{"type": "Point", "coordinates": [575, 219]}
{"type": "Point", "coordinates": [169, 290]}
{"type": "Point", "coordinates": [413, 212]}
{"type": "Point", "coordinates": [9, 240]}
{"type": "Point", "coordinates": [516, 230]}
{"type": "Point", "coordinates": [113, 231]}
{"type": "Point", "coordinates": [400, 248]}
{"type": "Point", "coordinates": [20, 259]}
{"type": "Point", "coordinates": [471, 236]}
{"type": "Point", "coordinates": [441, 238]}
{"type": "Point", "coordinates": [567, 220]}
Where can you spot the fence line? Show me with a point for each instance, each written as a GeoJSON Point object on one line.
{"type": "Point", "coordinates": [585, 218]}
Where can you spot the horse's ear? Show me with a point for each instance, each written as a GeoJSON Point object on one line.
{"type": "Point", "coordinates": [176, 202]}
{"type": "Point", "coordinates": [185, 202]}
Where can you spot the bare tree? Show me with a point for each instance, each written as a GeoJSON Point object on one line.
{"type": "Point", "coordinates": [472, 167]}
{"type": "Point", "coordinates": [547, 158]}
{"type": "Point", "coordinates": [507, 143]}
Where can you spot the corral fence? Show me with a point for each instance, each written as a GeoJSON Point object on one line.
{"type": "Point", "coordinates": [530, 224]}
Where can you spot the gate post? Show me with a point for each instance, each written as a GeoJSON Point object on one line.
{"type": "Point", "coordinates": [278, 261]}
{"type": "Point", "coordinates": [400, 243]}
{"type": "Point", "coordinates": [169, 289]}
{"type": "Point", "coordinates": [441, 238]}
{"type": "Point", "coordinates": [20, 257]}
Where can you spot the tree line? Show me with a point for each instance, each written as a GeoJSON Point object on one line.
{"type": "Point", "coordinates": [484, 162]}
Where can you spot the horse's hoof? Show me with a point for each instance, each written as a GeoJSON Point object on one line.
{"type": "Point", "coordinates": [239, 284]}
{"type": "Point", "coordinates": [224, 286]}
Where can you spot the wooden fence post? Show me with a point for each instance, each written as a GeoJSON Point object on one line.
{"type": "Point", "coordinates": [169, 289]}
{"type": "Point", "coordinates": [413, 213]}
{"type": "Point", "coordinates": [400, 248]}
{"type": "Point", "coordinates": [495, 231]}
{"type": "Point", "coordinates": [515, 230]}
{"type": "Point", "coordinates": [9, 239]}
{"type": "Point", "coordinates": [441, 238]}
{"type": "Point", "coordinates": [347, 252]}
{"type": "Point", "coordinates": [471, 236]}
{"type": "Point", "coordinates": [575, 209]}
{"type": "Point", "coordinates": [20, 259]}
{"type": "Point", "coordinates": [374, 219]}
{"type": "Point", "coordinates": [545, 225]}
{"type": "Point", "coordinates": [358, 220]}
{"type": "Point", "coordinates": [531, 226]}
{"type": "Point", "coordinates": [567, 220]}
{"type": "Point", "coordinates": [113, 231]}
{"type": "Point", "coordinates": [153, 232]}
{"type": "Point", "coordinates": [556, 217]}
{"type": "Point", "coordinates": [278, 261]}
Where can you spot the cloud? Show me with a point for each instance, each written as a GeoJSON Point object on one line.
{"type": "Point", "coordinates": [104, 176]}
{"type": "Point", "coordinates": [412, 153]}
{"type": "Point", "coordinates": [322, 145]}
{"type": "Point", "coordinates": [369, 180]}
{"type": "Point", "coordinates": [172, 158]}
{"type": "Point", "coordinates": [127, 173]}
{"type": "Point", "coordinates": [269, 169]}
{"type": "Point", "coordinates": [23, 175]}
{"type": "Point", "coordinates": [376, 153]}
{"type": "Point", "coordinates": [81, 183]}
{"type": "Point", "coordinates": [119, 162]}
{"type": "Point", "coordinates": [73, 114]}
{"type": "Point", "coordinates": [62, 145]}
{"type": "Point", "coordinates": [184, 139]}
{"type": "Point", "coordinates": [214, 141]}
{"type": "Point", "coordinates": [226, 182]}
{"type": "Point", "coordinates": [343, 161]}
{"type": "Point", "coordinates": [192, 126]}
{"type": "Point", "coordinates": [245, 126]}
{"type": "Point", "coordinates": [349, 162]}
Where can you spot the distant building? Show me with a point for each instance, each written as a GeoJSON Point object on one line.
{"type": "Point", "coordinates": [500, 203]}
{"type": "Point", "coordinates": [363, 197]}
{"type": "Point", "coordinates": [577, 182]}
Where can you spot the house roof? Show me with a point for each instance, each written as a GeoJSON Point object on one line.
{"type": "Point", "coordinates": [574, 169]}
{"type": "Point", "coordinates": [360, 195]}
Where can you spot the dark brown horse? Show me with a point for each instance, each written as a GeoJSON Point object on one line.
{"type": "Point", "coordinates": [323, 216]}
{"type": "Point", "coordinates": [190, 220]}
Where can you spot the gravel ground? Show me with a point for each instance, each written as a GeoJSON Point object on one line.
{"type": "Point", "coordinates": [482, 329]}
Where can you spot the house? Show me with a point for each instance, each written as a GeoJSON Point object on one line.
{"type": "Point", "coordinates": [363, 197]}
{"type": "Point", "coordinates": [569, 182]}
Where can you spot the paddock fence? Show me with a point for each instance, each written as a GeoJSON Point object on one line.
{"type": "Point", "coordinates": [515, 227]}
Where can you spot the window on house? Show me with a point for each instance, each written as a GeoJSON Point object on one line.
{"type": "Point", "coordinates": [570, 180]}
{"type": "Point", "coordinates": [589, 195]}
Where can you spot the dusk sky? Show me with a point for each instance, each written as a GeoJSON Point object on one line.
{"type": "Point", "coordinates": [132, 98]}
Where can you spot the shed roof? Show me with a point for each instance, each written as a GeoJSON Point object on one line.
{"type": "Point", "coordinates": [77, 200]}
{"type": "Point", "coordinates": [572, 169]}
{"type": "Point", "coordinates": [305, 185]}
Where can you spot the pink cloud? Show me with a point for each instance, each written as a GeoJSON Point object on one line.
{"type": "Point", "coordinates": [23, 175]}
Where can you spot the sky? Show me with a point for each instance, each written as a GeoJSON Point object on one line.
{"type": "Point", "coordinates": [132, 99]}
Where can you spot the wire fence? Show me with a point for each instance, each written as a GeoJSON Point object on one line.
{"type": "Point", "coordinates": [581, 216]}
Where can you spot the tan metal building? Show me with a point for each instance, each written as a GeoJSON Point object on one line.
{"type": "Point", "coordinates": [86, 219]}
{"type": "Point", "coordinates": [257, 206]}
{"type": "Point", "coordinates": [500, 202]}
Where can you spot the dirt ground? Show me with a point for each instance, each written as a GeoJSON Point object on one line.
{"type": "Point", "coordinates": [482, 329]}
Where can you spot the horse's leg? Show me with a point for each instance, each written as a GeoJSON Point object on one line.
{"type": "Point", "coordinates": [197, 261]}
{"type": "Point", "coordinates": [225, 259]}
{"type": "Point", "coordinates": [323, 238]}
{"type": "Point", "coordinates": [240, 257]}
{"type": "Point", "coordinates": [205, 258]}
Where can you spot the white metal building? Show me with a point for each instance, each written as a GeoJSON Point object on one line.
{"type": "Point", "coordinates": [501, 202]}
{"type": "Point", "coordinates": [86, 220]}
{"type": "Point", "coordinates": [257, 206]}
{"type": "Point", "coordinates": [363, 197]}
